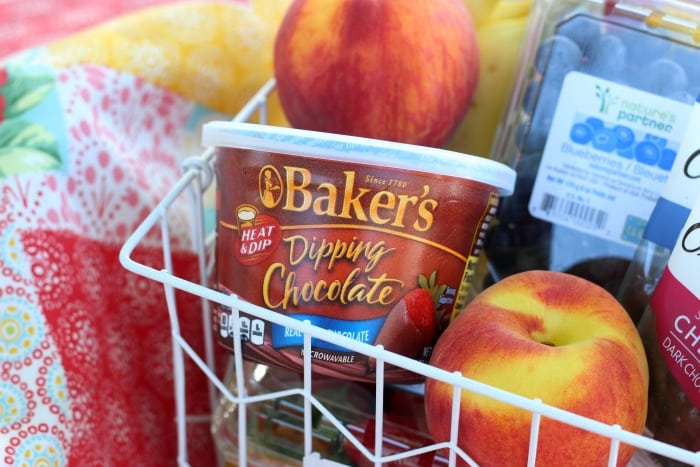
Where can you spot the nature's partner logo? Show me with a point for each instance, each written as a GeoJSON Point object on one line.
{"type": "Point", "coordinates": [606, 99]}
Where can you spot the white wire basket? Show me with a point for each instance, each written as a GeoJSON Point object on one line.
{"type": "Point", "coordinates": [197, 177]}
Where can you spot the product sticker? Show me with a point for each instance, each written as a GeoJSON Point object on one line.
{"type": "Point", "coordinates": [676, 305]}
{"type": "Point", "coordinates": [608, 155]}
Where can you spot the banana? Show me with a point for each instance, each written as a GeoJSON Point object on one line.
{"type": "Point", "coordinates": [480, 10]}
{"type": "Point", "coordinates": [216, 54]}
{"type": "Point", "coordinates": [510, 9]}
{"type": "Point", "coordinates": [500, 39]}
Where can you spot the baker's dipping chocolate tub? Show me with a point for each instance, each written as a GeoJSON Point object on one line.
{"type": "Point", "coordinates": [372, 240]}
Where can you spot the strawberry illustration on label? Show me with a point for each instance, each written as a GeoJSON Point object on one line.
{"type": "Point", "coordinates": [412, 324]}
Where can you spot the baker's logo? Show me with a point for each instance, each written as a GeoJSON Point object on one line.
{"type": "Point", "coordinates": [270, 186]}
{"type": "Point", "coordinates": [347, 197]}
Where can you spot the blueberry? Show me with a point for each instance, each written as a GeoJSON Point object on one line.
{"type": "Point", "coordinates": [605, 57]}
{"type": "Point", "coordinates": [529, 139]}
{"type": "Point", "coordinates": [534, 136]}
{"type": "Point", "coordinates": [581, 133]}
{"type": "Point", "coordinates": [664, 77]}
{"type": "Point", "coordinates": [689, 59]}
{"type": "Point", "coordinates": [528, 165]}
{"type": "Point", "coordinates": [581, 29]}
{"type": "Point", "coordinates": [625, 137]}
{"type": "Point", "coordinates": [557, 56]}
{"type": "Point", "coordinates": [520, 135]}
{"type": "Point", "coordinates": [604, 140]}
{"type": "Point", "coordinates": [647, 152]}
{"type": "Point", "coordinates": [516, 209]}
{"type": "Point", "coordinates": [644, 46]}
{"type": "Point", "coordinates": [537, 134]}
{"type": "Point", "coordinates": [683, 96]}
{"type": "Point", "coordinates": [530, 97]}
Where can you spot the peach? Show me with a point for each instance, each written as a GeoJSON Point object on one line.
{"type": "Point", "coordinates": [546, 335]}
{"type": "Point", "coordinates": [401, 71]}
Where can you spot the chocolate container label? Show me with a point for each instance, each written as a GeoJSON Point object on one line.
{"type": "Point", "coordinates": [676, 305]}
{"type": "Point", "coordinates": [379, 255]}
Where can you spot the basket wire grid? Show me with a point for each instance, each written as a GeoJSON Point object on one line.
{"type": "Point", "coordinates": [197, 176]}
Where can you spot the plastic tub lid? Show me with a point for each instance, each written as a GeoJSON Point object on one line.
{"type": "Point", "coordinates": [361, 150]}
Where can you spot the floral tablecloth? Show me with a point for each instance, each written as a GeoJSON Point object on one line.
{"type": "Point", "coordinates": [93, 128]}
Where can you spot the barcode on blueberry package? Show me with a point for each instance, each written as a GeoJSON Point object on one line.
{"type": "Point", "coordinates": [579, 213]}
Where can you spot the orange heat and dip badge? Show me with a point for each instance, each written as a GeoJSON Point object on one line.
{"type": "Point", "coordinates": [371, 240]}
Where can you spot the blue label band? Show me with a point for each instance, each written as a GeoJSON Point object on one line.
{"type": "Point", "coordinates": [364, 331]}
{"type": "Point", "coordinates": [665, 223]}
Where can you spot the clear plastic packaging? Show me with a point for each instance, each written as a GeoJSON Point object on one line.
{"type": "Point", "coordinates": [594, 123]}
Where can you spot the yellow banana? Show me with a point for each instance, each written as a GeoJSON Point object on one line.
{"type": "Point", "coordinates": [480, 10]}
{"type": "Point", "coordinates": [510, 9]}
{"type": "Point", "coordinates": [500, 41]}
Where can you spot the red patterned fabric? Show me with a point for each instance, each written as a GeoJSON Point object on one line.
{"type": "Point", "coordinates": [86, 153]}
{"type": "Point", "coordinates": [108, 329]}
